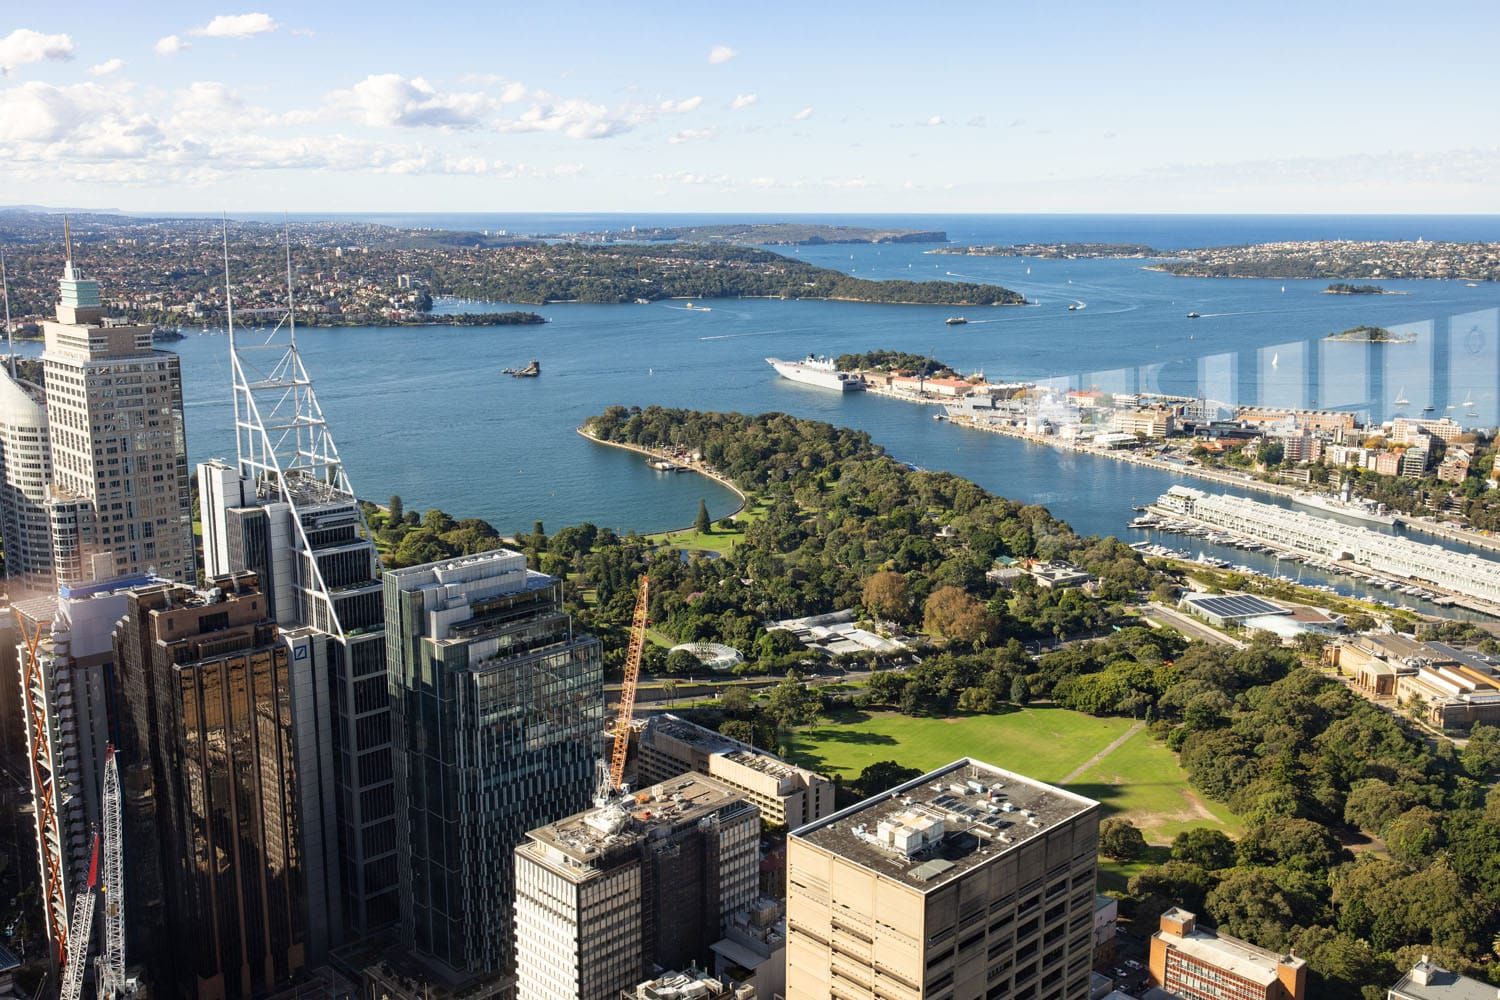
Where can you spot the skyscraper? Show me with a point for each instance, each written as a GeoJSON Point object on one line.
{"type": "Point", "coordinates": [68, 702]}
{"type": "Point", "coordinates": [968, 882]}
{"type": "Point", "coordinates": [118, 502]}
{"type": "Point", "coordinates": [287, 511]}
{"type": "Point", "coordinates": [211, 712]}
{"type": "Point", "coordinates": [25, 466]}
{"type": "Point", "coordinates": [498, 711]}
{"type": "Point", "coordinates": [645, 882]}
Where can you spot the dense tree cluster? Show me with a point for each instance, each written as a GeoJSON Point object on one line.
{"type": "Point", "coordinates": [893, 361]}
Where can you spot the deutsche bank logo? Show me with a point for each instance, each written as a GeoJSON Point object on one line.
{"type": "Point", "coordinates": [300, 654]}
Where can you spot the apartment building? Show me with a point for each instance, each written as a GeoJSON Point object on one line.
{"type": "Point", "coordinates": [645, 880]}
{"type": "Point", "coordinates": [1429, 981]}
{"type": "Point", "coordinates": [1197, 964]}
{"type": "Point", "coordinates": [968, 882]}
{"type": "Point", "coordinates": [786, 795]}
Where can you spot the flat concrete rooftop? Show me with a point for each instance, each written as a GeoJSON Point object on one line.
{"type": "Point", "coordinates": [949, 821]}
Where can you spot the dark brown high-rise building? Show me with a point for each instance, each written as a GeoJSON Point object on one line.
{"type": "Point", "coordinates": [217, 884]}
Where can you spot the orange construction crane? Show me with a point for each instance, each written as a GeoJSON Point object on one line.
{"type": "Point", "coordinates": [621, 748]}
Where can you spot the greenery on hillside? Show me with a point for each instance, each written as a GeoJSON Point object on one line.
{"type": "Point", "coordinates": [623, 273]}
{"type": "Point", "coordinates": [1344, 288]}
{"type": "Point", "coordinates": [892, 361]}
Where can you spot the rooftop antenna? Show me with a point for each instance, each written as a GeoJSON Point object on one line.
{"type": "Point", "coordinates": [67, 248]}
{"type": "Point", "coordinates": [10, 344]}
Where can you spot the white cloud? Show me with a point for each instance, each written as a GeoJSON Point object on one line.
{"type": "Point", "coordinates": [24, 46]}
{"type": "Point", "coordinates": [107, 67]}
{"type": "Point", "coordinates": [40, 112]}
{"type": "Point", "coordinates": [720, 54]}
{"type": "Point", "coordinates": [689, 177]}
{"type": "Point", "coordinates": [978, 121]}
{"type": "Point", "coordinates": [237, 26]}
{"type": "Point", "coordinates": [803, 115]}
{"type": "Point", "coordinates": [694, 135]}
{"type": "Point", "coordinates": [576, 119]}
{"type": "Point", "coordinates": [170, 45]}
{"type": "Point", "coordinates": [743, 101]}
{"type": "Point", "coordinates": [390, 99]}
{"type": "Point", "coordinates": [681, 107]}
{"type": "Point", "coordinates": [934, 121]}
{"type": "Point", "coordinates": [512, 93]}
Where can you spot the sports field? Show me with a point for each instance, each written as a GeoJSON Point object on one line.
{"type": "Point", "coordinates": [1113, 760]}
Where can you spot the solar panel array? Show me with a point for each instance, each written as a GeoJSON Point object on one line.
{"type": "Point", "coordinates": [1236, 606]}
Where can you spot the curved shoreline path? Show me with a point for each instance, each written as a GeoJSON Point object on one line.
{"type": "Point", "coordinates": [699, 467]}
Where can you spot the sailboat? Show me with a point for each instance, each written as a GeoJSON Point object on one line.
{"type": "Point", "coordinates": [1469, 403]}
{"type": "Point", "coordinates": [1401, 399]}
{"type": "Point", "coordinates": [1275, 360]}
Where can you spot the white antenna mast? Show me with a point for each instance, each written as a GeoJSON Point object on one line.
{"type": "Point", "coordinates": [10, 344]}
{"type": "Point", "coordinates": [291, 309]}
{"type": "Point", "coordinates": [228, 298]}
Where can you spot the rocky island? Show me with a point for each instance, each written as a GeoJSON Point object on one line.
{"type": "Point", "coordinates": [1342, 288]}
{"type": "Point", "coordinates": [1371, 335]}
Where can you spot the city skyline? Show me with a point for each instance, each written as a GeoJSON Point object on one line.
{"type": "Point", "coordinates": [277, 107]}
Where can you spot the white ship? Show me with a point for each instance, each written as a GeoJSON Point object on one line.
{"type": "Point", "coordinates": [1348, 508]}
{"type": "Point", "coordinates": [817, 371]}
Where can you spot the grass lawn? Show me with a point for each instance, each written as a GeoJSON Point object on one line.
{"type": "Point", "coordinates": [1142, 779]}
{"type": "Point", "coordinates": [1139, 779]}
{"type": "Point", "coordinates": [718, 540]}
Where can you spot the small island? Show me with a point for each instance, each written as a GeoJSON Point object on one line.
{"type": "Point", "coordinates": [1343, 288]}
{"type": "Point", "coordinates": [1371, 335]}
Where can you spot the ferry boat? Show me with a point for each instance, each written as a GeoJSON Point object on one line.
{"type": "Point", "coordinates": [817, 371]}
{"type": "Point", "coordinates": [956, 320]}
{"type": "Point", "coordinates": [1194, 315]}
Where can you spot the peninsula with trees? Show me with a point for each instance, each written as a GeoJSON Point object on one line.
{"type": "Point", "coordinates": [1344, 288]}
{"type": "Point", "coordinates": [802, 234]}
{"type": "Point", "coordinates": [170, 272]}
{"type": "Point", "coordinates": [1343, 260]}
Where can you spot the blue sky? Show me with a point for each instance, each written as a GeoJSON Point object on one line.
{"type": "Point", "coordinates": [770, 107]}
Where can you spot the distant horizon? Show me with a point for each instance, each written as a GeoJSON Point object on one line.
{"type": "Point", "coordinates": [732, 213]}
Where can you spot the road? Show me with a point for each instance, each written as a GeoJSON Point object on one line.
{"type": "Point", "coordinates": [1160, 614]}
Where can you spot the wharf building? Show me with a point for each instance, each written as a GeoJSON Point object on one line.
{"type": "Point", "coordinates": [498, 706]}
{"type": "Point", "coordinates": [787, 795]}
{"type": "Point", "coordinates": [968, 882]}
{"type": "Point", "coordinates": [219, 873]}
{"type": "Point", "coordinates": [286, 511]}
{"type": "Point", "coordinates": [1194, 963]}
{"type": "Point", "coordinates": [648, 880]}
{"type": "Point", "coordinates": [1392, 555]}
{"type": "Point", "coordinates": [118, 500]}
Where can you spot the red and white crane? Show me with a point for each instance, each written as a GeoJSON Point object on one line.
{"type": "Point", "coordinates": [109, 973]}
{"type": "Point", "coordinates": [79, 932]}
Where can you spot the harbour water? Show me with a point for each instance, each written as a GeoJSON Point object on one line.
{"type": "Point", "coordinates": [426, 413]}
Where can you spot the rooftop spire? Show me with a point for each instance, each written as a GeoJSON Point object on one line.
{"type": "Point", "coordinates": [67, 248]}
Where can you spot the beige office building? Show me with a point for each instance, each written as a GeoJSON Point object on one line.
{"type": "Point", "coordinates": [969, 882]}
{"type": "Point", "coordinates": [118, 503]}
{"type": "Point", "coordinates": [650, 881]}
{"type": "Point", "coordinates": [787, 795]}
